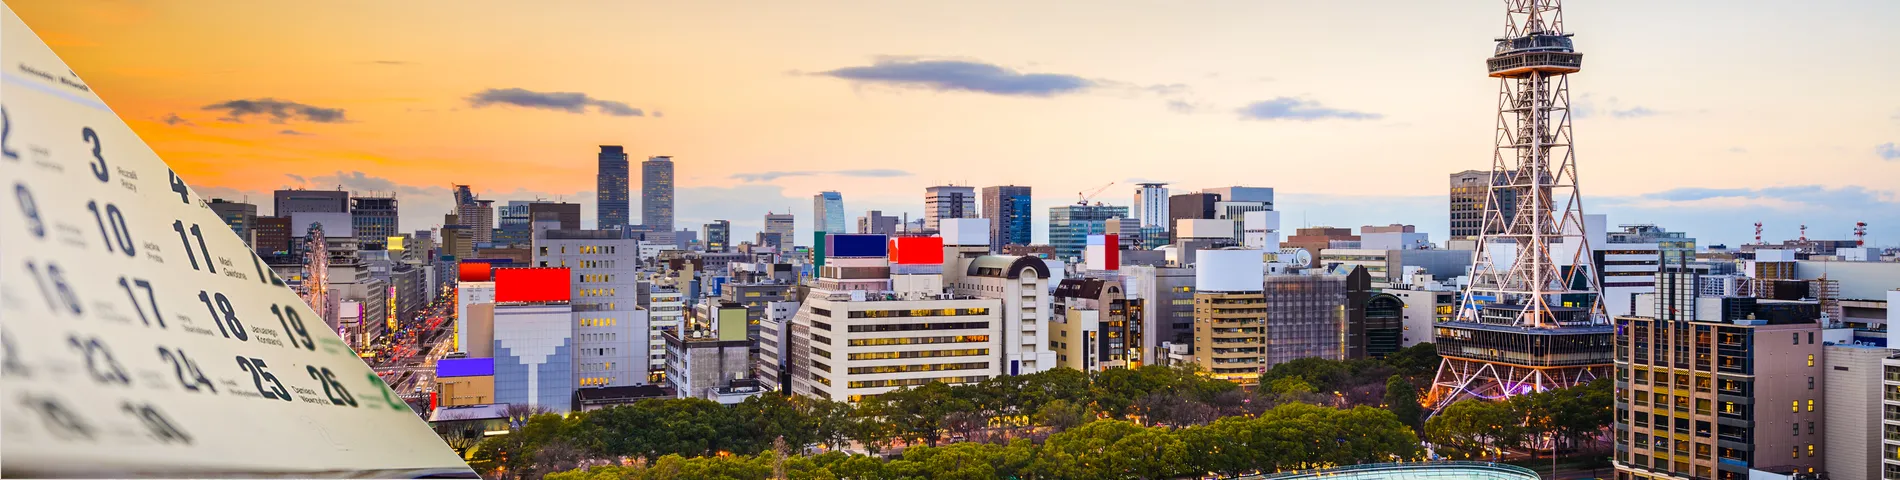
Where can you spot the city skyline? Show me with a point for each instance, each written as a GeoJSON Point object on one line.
{"type": "Point", "coordinates": [1206, 89]}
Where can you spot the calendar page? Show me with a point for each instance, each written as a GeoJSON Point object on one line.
{"type": "Point", "coordinates": [142, 337]}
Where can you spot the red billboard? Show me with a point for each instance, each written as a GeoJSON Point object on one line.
{"type": "Point", "coordinates": [917, 250]}
{"type": "Point", "coordinates": [1112, 251]}
{"type": "Point", "coordinates": [475, 272]}
{"type": "Point", "coordinates": [532, 285]}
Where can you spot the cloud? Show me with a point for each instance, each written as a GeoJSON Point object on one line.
{"type": "Point", "coordinates": [1289, 108]}
{"type": "Point", "coordinates": [299, 178]}
{"type": "Point", "coordinates": [1633, 112]}
{"type": "Point", "coordinates": [1887, 151]}
{"type": "Point", "coordinates": [390, 62]}
{"type": "Point", "coordinates": [961, 75]}
{"type": "Point", "coordinates": [174, 120]}
{"type": "Point", "coordinates": [1737, 150]}
{"type": "Point", "coordinates": [1791, 196]}
{"type": "Point", "coordinates": [774, 175]}
{"type": "Point", "coordinates": [571, 102]}
{"type": "Point", "coordinates": [279, 111]}
{"type": "Point", "coordinates": [1182, 106]}
{"type": "Point", "coordinates": [292, 132]}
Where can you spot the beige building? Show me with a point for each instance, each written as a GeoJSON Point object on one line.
{"type": "Point", "coordinates": [1093, 330]}
{"type": "Point", "coordinates": [1727, 386]}
{"type": "Point", "coordinates": [1852, 379]}
{"type": "Point", "coordinates": [864, 331]}
{"type": "Point", "coordinates": [1230, 338]}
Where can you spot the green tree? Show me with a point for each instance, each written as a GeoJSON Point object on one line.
{"type": "Point", "coordinates": [1401, 397]}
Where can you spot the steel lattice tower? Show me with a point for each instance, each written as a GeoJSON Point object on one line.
{"type": "Point", "coordinates": [1531, 318]}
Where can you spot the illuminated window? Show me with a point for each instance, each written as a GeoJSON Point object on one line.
{"type": "Point", "coordinates": [1810, 404]}
{"type": "Point", "coordinates": [1810, 359]}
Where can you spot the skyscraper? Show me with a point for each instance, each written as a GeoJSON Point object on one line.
{"type": "Point", "coordinates": [611, 182]}
{"type": "Point", "coordinates": [477, 214]}
{"type": "Point", "coordinates": [1151, 205]}
{"type": "Point", "coordinates": [718, 236]}
{"type": "Point", "coordinates": [948, 201]}
{"type": "Point", "coordinates": [373, 219]}
{"type": "Point", "coordinates": [877, 222]}
{"type": "Point", "coordinates": [827, 212]}
{"type": "Point", "coordinates": [1007, 207]}
{"type": "Point", "coordinates": [1071, 225]}
{"type": "Point", "coordinates": [783, 227]}
{"type": "Point", "coordinates": [1469, 189]}
{"type": "Point", "coordinates": [656, 196]}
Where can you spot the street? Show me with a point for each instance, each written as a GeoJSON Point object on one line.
{"type": "Point", "coordinates": [407, 364]}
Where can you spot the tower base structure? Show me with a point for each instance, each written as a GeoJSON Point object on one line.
{"type": "Point", "coordinates": [1496, 362]}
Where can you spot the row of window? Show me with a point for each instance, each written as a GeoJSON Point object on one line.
{"type": "Point", "coordinates": [912, 382]}
{"type": "Point", "coordinates": [906, 327]}
{"type": "Point", "coordinates": [931, 367]}
{"type": "Point", "coordinates": [597, 322]}
{"type": "Point", "coordinates": [867, 342]}
{"type": "Point", "coordinates": [925, 312]}
{"type": "Point", "coordinates": [961, 352]}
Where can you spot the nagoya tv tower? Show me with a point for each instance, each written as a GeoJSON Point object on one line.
{"type": "Point", "coordinates": [1531, 319]}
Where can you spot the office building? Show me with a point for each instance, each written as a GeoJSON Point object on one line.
{"type": "Point", "coordinates": [1190, 206]}
{"type": "Point", "coordinates": [1851, 448]}
{"type": "Point", "coordinates": [1245, 321]}
{"type": "Point", "coordinates": [871, 325]}
{"type": "Point", "coordinates": [272, 236]}
{"type": "Point", "coordinates": [656, 196]}
{"type": "Point", "coordinates": [1727, 386]}
{"type": "Point", "coordinates": [1151, 206]}
{"type": "Point", "coordinates": [610, 330]}
{"type": "Point", "coordinates": [1890, 416]}
{"type": "Point", "coordinates": [948, 201]}
{"type": "Point", "coordinates": [719, 236]}
{"type": "Point", "coordinates": [286, 202]}
{"type": "Point", "coordinates": [875, 222]}
{"type": "Point", "coordinates": [374, 220]}
{"type": "Point", "coordinates": [1071, 225]}
{"type": "Point", "coordinates": [1678, 248]}
{"type": "Point", "coordinates": [1469, 189]}
{"type": "Point", "coordinates": [1392, 266]}
{"type": "Point", "coordinates": [239, 215]}
{"type": "Point", "coordinates": [613, 210]}
{"type": "Point", "coordinates": [827, 212]}
{"type": "Point", "coordinates": [1167, 293]}
{"type": "Point", "coordinates": [514, 225]}
{"type": "Point", "coordinates": [774, 337]}
{"type": "Point", "coordinates": [464, 381]}
{"type": "Point", "coordinates": [476, 214]}
{"type": "Point", "coordinates": [1007, 208]}
{"type": "Point", "coordinates": [567, 215]}
{"type": "Point", "coordinates": [780, 232]}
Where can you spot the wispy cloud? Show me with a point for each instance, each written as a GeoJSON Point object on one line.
{"type": "Point", "coordinates": [299, 178]}
{"type": "Point", "coordinates": [571, 102]}
{"type": "Point", "coordinates": [1289, 108]}
{"type": "Point", "coordinates": [960, 75]}
{"type": "Point", "coordinates": [775, 175]}
{"type": "Point", "coordinates": [1634, 112]}
{"type": "Point", "coordinates": [277, 111]}
{"type": "Point", "coordinates": [1887, 151]}
{"type": "Point", "coordinates": [174, 120]}
{"type": "Point", "coordinates": [390, 62]}
{"type": "Point", "coordinates": [291, 132]}
{"type": "Point", "coordinates": [1737, 150]}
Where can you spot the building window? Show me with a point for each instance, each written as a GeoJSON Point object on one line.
{"type": "Point", "coordinates": [1810, 404]}
{"type": "Point", "coordinates": [1810, 383]}
{"type": "Point", "coordinates": [1810, 359]}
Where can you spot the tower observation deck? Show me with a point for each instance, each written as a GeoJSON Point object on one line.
{"type": "Point", "coordinates": [1531, 318]}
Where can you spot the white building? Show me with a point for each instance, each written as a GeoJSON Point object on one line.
{"type": "Point", "coordinates": [1151, 205]}
{"type": "Point", "coordinates": [469, 293]}
{"type": "Point", "coordinates": [611, 342]}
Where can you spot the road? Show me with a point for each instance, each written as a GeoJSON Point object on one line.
{"type": "Point", "coordinates": [408, 364]}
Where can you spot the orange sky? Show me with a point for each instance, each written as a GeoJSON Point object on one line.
{"type": "Point", "coordinates": [1759, 99]}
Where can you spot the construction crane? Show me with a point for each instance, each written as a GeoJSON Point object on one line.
{"type": "Point", "coordinates": [1082, 198]}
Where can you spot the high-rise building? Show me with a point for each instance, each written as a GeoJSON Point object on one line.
{"type": "Point", "coordinates": [827, 212]}
{"type": "Point", "coordinates": [875, 222]}
{"type": "Point", "coordinates": [611, 334]}
{"type": "Point", "coordinates": [1151, 205]}
{"type": "Point", "coordinates": [1678, 248]}
{"type": "Point", "coordinates": [1071, 225]}
{"type": "Point", "coordinates": [1243, 194]}
{"type": "Point", "coordinates": [1533, 318]}
{"type": "Point", "coordinates": [1890, 416]}
{"type": "Point", "coordinates": [239, 215]}
{"type": "Point", "coordinates": [567, 214]}
{"type": "Point", "coordinates": [1851, 449]}
{"type": "Point", "coordinates": [374, 220]}
{"type": "Point", "coordinates": [612, 189]}
{"type": "Point", "coordinates": [782, 227]}
{"type": "Point", "coordinates": [287, 202]}
{"type": "Point", "coordinates": [272, 236]}
{"type": "Point", "coordinates": [476, 214]}
{"type": "Point", "coordinates": [1706, 386]}
{"type": "Point", "coordinates": [1007, 207]}
{"type": "Point", "coordinates": [1469, 189]}
{"type": "Point", "coordinates": [948, 201]}
{"type": "Point", "coordinates": [514, 226]}
{"type": "Point", "coordinates": [719, 236]}
{"type": "Point", "coordinates": [656, 195]}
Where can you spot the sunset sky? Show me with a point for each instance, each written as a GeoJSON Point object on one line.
{"type": "Point", "coordinates": [1698, 115]}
